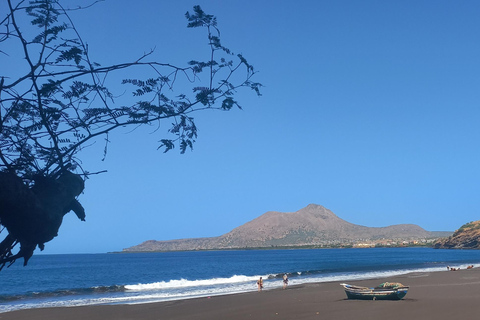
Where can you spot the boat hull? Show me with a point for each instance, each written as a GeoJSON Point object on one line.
{"type": "Point", "coordinates": [362, 293]}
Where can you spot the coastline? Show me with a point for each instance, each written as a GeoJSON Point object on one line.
{"type": "Point", "coordinates": [432, 295]}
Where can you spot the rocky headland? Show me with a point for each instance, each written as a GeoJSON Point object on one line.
{"type": "Point", "coordinates": [466, 237]}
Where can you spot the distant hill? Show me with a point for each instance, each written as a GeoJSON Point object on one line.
{"type": "Point", "coordinates": [313, 225]}
{"type": "Point", "coordinates": [466, 237]}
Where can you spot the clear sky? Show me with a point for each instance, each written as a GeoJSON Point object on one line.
{"type": "Point", "coordinates": [370, 108]}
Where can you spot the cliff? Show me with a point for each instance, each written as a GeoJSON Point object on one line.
{"type": "Point", "coordinates": [313, 225]}
{"type": "Point", "coordinates": [467, 237]}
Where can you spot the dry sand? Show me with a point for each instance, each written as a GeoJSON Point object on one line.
{"type": "Point", "coordinates": [445, 295]}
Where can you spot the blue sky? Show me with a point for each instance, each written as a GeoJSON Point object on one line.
{"type": "Point", "coordinates": [370, 108]}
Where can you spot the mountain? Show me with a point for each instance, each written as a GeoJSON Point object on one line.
{"type": "Point", "coordinates": [313, 225]}
{"type": "Point", "coordinates": [467, 237]}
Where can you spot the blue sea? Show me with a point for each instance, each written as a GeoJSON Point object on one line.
{"type": "Point", "coordinates": [92, 279]}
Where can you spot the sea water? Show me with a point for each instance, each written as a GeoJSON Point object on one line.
{"type": "Point", "coordinates": [92, 279]}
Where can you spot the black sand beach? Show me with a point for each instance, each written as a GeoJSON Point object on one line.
{"type": "Point", "coordinates": [436, 296]}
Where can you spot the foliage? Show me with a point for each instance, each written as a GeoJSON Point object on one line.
{"type": "Point", "coordinates": [59, 103]}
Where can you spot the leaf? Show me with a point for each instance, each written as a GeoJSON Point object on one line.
{"type": "Point", "coordinates": [203, 97]}
{"type": "Point", "coordinates": [74, 53]}
{"type": "Point", "coordinates": [184, 144]}
{"type": "Point", "coordinates": [49, 88]}
{"type": "Point", "coordinates": [228, 103]}
{"type": "Point", "coordinates": [199, 18]}
{"type": "Point", "coordinates": [168, 144]}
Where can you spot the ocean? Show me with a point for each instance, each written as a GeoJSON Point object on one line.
{"type": "Point", "coordinates": [92, 279]}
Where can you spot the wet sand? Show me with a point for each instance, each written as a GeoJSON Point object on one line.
{"type": "Point", "coordinates": [433, 295]}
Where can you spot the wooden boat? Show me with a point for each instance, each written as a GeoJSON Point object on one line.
{"type": "Point", "coordinates": [385, 291]}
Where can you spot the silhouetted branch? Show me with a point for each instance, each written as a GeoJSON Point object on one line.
{"type": "Point", "coordinates": [62, 104]}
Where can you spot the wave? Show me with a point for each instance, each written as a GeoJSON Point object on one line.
{"type": "Point", "coordinates": [178, 289]}
{"type": "Point", "coordinates": [319, 276]}
{"type": "Point", "coordinates": [241, 282]}
{"type": "Point", "coordinates": [62, 293]}
{"type": "Point", "coordinates": [184, 283]}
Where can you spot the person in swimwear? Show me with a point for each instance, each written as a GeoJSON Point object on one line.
{"type": "Point", "coordinates": [285, 281]}
{"type": "Point", "coordinates": [260, 284]}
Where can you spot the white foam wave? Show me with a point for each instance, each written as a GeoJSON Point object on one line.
{"type": "Point", "coordinates": [369, 275]}
{"type": "Point", "coordinates": [184, 283]}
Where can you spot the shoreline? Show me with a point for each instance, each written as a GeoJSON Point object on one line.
{"type": "Point", "coordinates": [432, 295]}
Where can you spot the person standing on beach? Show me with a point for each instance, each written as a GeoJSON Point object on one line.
{"type": "Point", "coordinates": [285, 281]}
{"type": "Point", "coordinates": [260, 284]}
